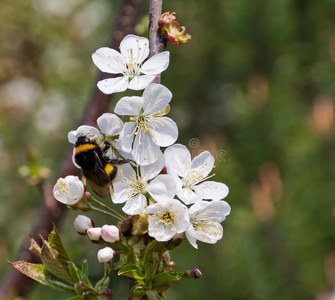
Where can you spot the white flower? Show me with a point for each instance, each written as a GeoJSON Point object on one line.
{"type": "Point", "coordinates": [147, 129]}
{"type": "Point", "coordinates": [134, 50]}
{"type": "Point", "coordinates": [205, 218]}
{"type": "Point", "coordinates": [89, 131]}
{"type": "Point", "coordinates": [167, 218]}
{"type": "Point", "coordinates": [190, 174]}
{"type": "Point", "coordinates": [133, 186]}
{"type": "Point", "coordinates": [105, 254]}
{"type": "Point", "coordinates": [82, 223]}
{"type": "Point", "coordinates": [94, 233]}
{"type": "Point", "coordinates": [68, 190]}
{"type": "Point", "coordinates": [110, 233]}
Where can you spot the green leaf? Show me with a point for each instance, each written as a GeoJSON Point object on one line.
{"type": "Point", "coordinates": [34, 271]}
{"type": "Point", "coordinates": [53, 265]}
{"type": "Point", "coordinates": [152, 248]}
{"type": "Point", "coordinates": [75, 298]}
{"type": "Point", "coordinates": [78, 275]}
{"type": "Point", "coordinates": [119, 246]}
{"type": "Point", "coordinates": [57, 247]}
{"type": "Point", "coordinates": [133, 271]}
{"type": "Point", "coordinates": [56, 283]}
{"type": "Point", "coordinates": [38, 273]}
{"type": "Point", "coordinates": [84, 267]}
{"type": "Point", "coordinates": [166, 277]}
{"type": "Point", "coordinates": [73, 272]}
{"type": "Point", "coordinates": [131, 258]}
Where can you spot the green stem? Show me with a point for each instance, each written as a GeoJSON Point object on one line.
{"type": "Point", "coordinates": [105, 212]}
{"type": "Point", "coordinates": [108, 208]}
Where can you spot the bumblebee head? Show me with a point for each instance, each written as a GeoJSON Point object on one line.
{"type": "Point", "coordinates": [83, 139]}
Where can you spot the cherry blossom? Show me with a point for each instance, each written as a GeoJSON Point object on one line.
{"type": "Point", "coordinates": [166, 219]}
{"type": "Point", "coordinates": [136, 74]}
{"type": "Point", "coordinates": [205, 217]}
{"type": "Point", "coordinates": [134, 185]}
{"type": "Point", "coordinates": [147, 129]}
{"type": "Point", "coordinates": [189, 175]}
{"type": "Point", "coordinates": [68, 190]}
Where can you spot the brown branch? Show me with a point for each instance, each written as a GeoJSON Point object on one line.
{"type": "Point", "coordinates": [156, 42]}
{"type": "Point", "coordinates": [51, 211]}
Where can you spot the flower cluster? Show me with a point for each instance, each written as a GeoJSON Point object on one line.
{"type": "Point", "coordinates": [166, 190]}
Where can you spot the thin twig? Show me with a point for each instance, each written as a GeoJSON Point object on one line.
{"type": "Point", "coordinates": [51, 211]}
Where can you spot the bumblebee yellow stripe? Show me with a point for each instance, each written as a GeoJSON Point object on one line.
{"type": "Point", "coordinates": [83, 148]}
{"type": "Point", "coordinates": [109, 169]}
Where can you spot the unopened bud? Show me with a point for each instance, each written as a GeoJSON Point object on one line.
{"type": "Point", "coordinates": [105, 254]}
{"type": "Point", "coordinates": [192, 273]}
{"type": "Point", "coordinates": [94, 234]}
{"type": "Point", "coordinates": [110, 233]}
{"type": "Point", "coordinates": [82, 223]}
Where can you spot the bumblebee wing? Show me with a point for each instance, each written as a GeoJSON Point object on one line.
{"type": "Point", "coordinates": [99, 180]}
{"type": "Point", "coordinates": [101, 190]}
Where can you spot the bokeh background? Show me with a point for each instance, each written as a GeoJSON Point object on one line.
{"type": "Point", "coordinates": [255, 86]}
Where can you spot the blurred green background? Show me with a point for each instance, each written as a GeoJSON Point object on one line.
{"type": "Point", "coordinates": [255, 86]}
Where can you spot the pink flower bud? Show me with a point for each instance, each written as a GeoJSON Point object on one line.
{"type": "Point", "coordinates": [82, 223]}
{"type": "Point", "coordinates": [105, 254]}
{"type": "Point", "coordinates": [94, 233]}
{"type": "Point", "coordinates": [110, 233]}
{"type": "Point", "coordinates": [172, 29]}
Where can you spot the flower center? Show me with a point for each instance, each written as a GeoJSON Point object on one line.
{"type": "Point", "coordinates": [166, 217]}
{"type": "Point", "coordinates": [133, 67]}
{"type": "Point", "coordinates": [64, 189]}
{"type": "Point", "coordinates": [192, 178]}
{"type": "Point", "coordinates": [137, 185]}
{"type": "Point", "coordinates": [202, 222]}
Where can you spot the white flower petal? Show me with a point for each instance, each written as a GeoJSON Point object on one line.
{"type": "Point", "coordinates": [127, 136]}
{"type": "Point", "coordinates": [150, 171]}
{"type": "Point", "coordinates": [140, 82]}
{"type": "Point", "coordinates": [113, 85]}
{"type": "Point", "coordinates": [191, 236]}
{"type": "Point", "coordinates": [211, 190]}
{"type": "Point", "coordinates": [203, 163]}
{"type": "Point", "coordinates": [177, 160]}
{"type": "Point", "coordinates": [217, 210]}
{"type": "Point", "coordinates": [129, 106]}
{"type": "Point", "coordinates": [108, 60]}
{"type": "Point", "coordinates": [139, 46]}
{"type": "Point", "coordinates": [135, 205]}
{"type": "Point", "coordinates": [156, 64]}
{"type": "Point", "coordinates": [188, 196]}
{"type": "Point", "coordinates": [89, 131]}
{"type": "Point", "coordinates": [156, 98]}
{"type": "Point", "coordinates": [122, 192]}
{"type": "Point", "coordinates": [162, 188]}
{"type": "Point", "coordinates": [110, 124]}
{"type": "Point", "coordinates": [127, 173]}
{"type": "Point", "coordinates": [164, 131]}
{"type": "Point", "coordinates": [145, 150]}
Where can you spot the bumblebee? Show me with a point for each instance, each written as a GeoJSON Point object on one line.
{"type": "Point", "coordinates": [97, 167]}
